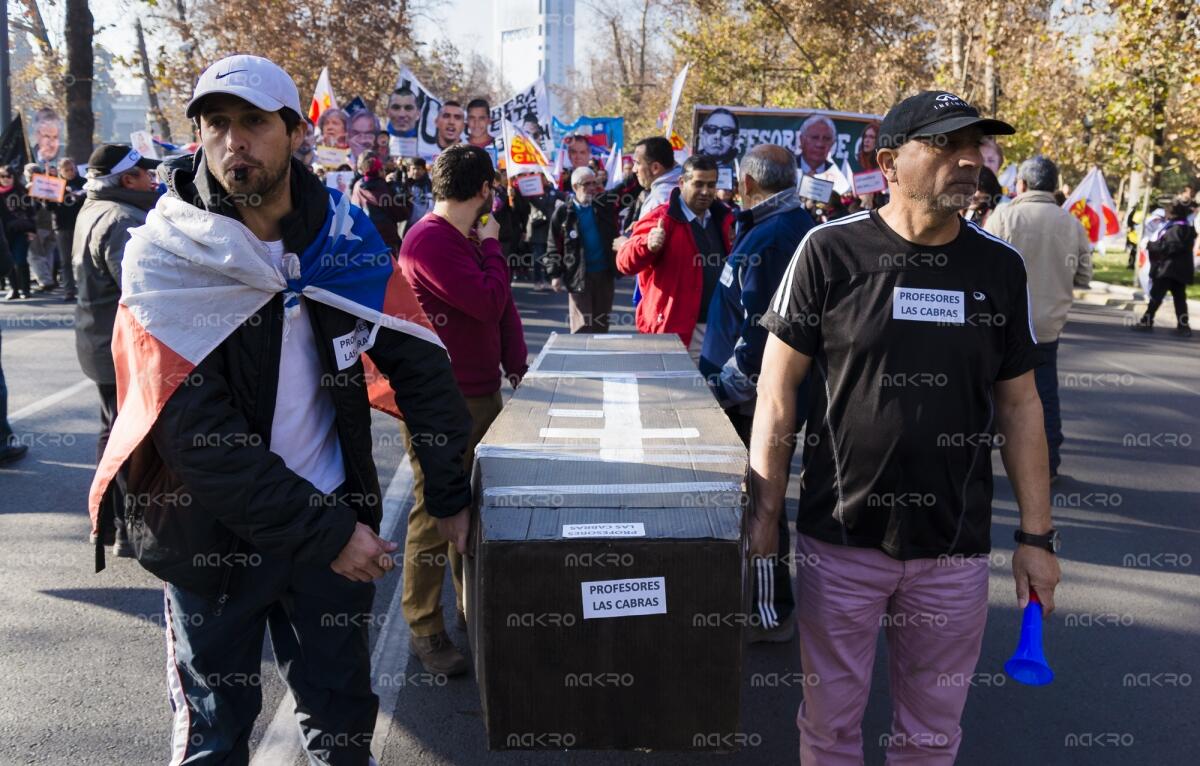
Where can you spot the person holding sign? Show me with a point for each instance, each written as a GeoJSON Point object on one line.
{"type": "Point", "coordinates": [579, 255]}
{"type": "Point", "coordinates": [678, 251]}
{"type": "Point", "coordinates": [918, 323]}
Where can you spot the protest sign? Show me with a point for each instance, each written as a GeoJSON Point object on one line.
{"type": "Point", "coordinates": [425, 129]}
{"type": "Point", "coordinates": [530, 185]}
{"type": "Point", "coordinates": [143, 142]}
{"type": "Point", "coordinates": [332, 157]}
{"type": "Point", "coordinates": [815, 189]}
{"type": "Point", "coordinates": [340, 180]}
{"type": "Point", "coordinates": [869, 182]}
{"type": "Point", "coordinates": [49, 188]}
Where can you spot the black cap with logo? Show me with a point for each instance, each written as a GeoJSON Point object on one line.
{"type": "Point", "coordinates": [934, 113]}
{"type": "Point", "coordinates": [111, 159]}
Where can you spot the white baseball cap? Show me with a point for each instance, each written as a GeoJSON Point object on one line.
{"type": "Point", "coordinates": [250, 78]}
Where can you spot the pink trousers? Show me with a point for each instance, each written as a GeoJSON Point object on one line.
{"type": "Point", "coordinates": [933, 612]}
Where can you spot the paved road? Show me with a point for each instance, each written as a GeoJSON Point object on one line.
{"type": "Point", "coordinates": [83, 655]}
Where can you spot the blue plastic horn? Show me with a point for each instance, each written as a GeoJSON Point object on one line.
{"type": "Point", "coordinates": [1028, 663]}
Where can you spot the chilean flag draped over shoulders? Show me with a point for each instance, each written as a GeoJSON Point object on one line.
{"type": "Point", "coordinates": [1093, 205]}
{"type": "Point", "coordinates": [191, 277]}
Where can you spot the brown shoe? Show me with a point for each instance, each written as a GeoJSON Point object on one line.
{"type": "Point", "coordinates": [438, 654]}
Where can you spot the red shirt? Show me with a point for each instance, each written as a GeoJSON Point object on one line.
{"type": "Point", "coordinates": [464, 288]}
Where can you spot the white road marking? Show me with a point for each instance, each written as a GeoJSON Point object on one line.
{"type": "Point", "coordinates": [51, 400]}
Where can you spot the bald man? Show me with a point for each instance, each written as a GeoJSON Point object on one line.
{"type": "Point", "coordinates": [769, 230]}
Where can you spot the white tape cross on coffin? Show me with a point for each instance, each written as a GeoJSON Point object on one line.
{"type": "Point", "coordinates": [622, 435]}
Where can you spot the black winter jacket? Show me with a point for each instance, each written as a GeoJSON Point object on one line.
{"type": "Point", "coordinates": [564, 247]}
{"type": "Point", "coordinates": [205, 493]}
{"type": "Point", "coordinates": [1171, 253]}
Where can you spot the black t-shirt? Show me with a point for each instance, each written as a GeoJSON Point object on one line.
{"type": "Point", "coordinates": [909, 341]}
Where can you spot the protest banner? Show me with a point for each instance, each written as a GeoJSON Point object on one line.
{"type": "Point", "coordinates": [728, 132]}
{"type": "Point", "coordinates": [49, 188]}
{"type": "Point", "coordinates": [815, 189]}
{"type": "Point", "coordinates": [602, 133]}
{"type": "Point", "coordinates": [530, 110]}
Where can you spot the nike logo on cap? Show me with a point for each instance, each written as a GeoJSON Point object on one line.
{"type": "Point", "coordinates": [232, 71]}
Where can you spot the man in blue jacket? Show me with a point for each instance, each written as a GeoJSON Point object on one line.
{"type": "Point", "coordinates": [769, 229]}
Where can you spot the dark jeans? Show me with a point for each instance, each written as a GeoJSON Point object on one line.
{"type": "Point", "coordinates": [1045, 376]}
{"type": "Point", "coordinates": [771, 598]}
{"type": "Point", "coordinates": [537, 252]}
{"type": "Point", "coordinates": [112, 506]}
{"type": "Point", "coordinates": [5, 429]}
{"type": "Point", "coordinates": [66, 267]}
{"type": "Point", "coordinates": [318, 623]}
{"type": "Point", "coordinates": [1159, 287]}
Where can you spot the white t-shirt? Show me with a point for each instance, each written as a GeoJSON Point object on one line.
{"type": "Point", "coordinates": [303, 431]}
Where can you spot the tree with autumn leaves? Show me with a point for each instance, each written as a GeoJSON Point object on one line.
{"type": "Point", "coordinates": [1085, 81]}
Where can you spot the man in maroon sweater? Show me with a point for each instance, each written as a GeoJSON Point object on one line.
{"type": "Point", "coordinates": [453, 261]}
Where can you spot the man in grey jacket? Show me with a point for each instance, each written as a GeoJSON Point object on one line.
{"type": "Point", "coordinates": [121, 188]}
{"type": "Point", "coordinates": [1058, 258]}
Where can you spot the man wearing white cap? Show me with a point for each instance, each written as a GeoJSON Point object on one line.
{"type": "Point", "coordinates": [258, 309]}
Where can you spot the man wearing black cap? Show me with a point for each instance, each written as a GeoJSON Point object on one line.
{"type": "Point", "coordinates": [120, 189]}
{"type": "Point", "coordinates": [918, 323]}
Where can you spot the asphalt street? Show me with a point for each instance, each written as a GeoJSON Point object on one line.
{"type": "Point", "coordinates": [83, 654]}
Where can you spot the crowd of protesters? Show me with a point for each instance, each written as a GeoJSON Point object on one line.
{"type": "Point", "coordinates": [777, 296]}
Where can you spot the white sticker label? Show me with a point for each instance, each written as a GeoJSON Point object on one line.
{"type": "Point", "coordinates": [611, 529]}
{"type": "Point", "coordinates": [624, 598]}
{"type": "Point", "coordinates": [727, 274]}
{"type": "Point", "coordinates": [346, 348]}
{"type": "Point", "coordinates": [928, 305]}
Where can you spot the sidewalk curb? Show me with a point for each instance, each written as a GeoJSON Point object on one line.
{"type": "Point", "coordinates": [1121, 297]}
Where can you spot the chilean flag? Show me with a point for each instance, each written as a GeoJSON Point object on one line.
{"type": "Point", "coordinates": [190, 278]}
{"type": "Point", "coordinates": [322, 97]}
{"type": "Point", "coordinates": [1092, 204]}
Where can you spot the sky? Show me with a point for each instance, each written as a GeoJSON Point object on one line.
{"type": "Point", "coordinates": [461, 21]}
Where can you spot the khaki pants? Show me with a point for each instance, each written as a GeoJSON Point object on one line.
{"type": "Point", "coordinates": [426, 552]}
{"type": "Point", "coordinates": [588, 311]}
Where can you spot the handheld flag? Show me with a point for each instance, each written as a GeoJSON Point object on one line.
{"type": "Point", "coordinates": [522, 153]}
{"type": "Point", "coordinates": [1092, 204]}
{"type": "Point", "coordinates": [612, 167]}
{"type": "Point", "coordinates": [322, 97]}
{"type": "Point", "coordinates": [676, 92]}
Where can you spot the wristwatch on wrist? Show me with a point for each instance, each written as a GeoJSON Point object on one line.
{"type": "Point", "coordinates": [1050, 541]}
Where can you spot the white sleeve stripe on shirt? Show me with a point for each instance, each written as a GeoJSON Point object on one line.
{"type": "Point", "coordinates": [1028, 296]}
{"type": "Point", "coordinates": [779, 303]}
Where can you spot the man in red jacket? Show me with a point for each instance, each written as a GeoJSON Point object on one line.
{"type": "Point", "coordinates": [453, 261]}
{"type": "Point", "coordinates": [679, 249]}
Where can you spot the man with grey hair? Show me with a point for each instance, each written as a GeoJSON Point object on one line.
{"type": "Point", "coordinates": [579, 252]}
{"type": "Point", "coordinates": [818, 135]}
{"type": "Point", "coordinates": [1058, 258]}
{"type": "Point", "coordinates": [120, 189]}
{"type": "Point", "coordinates": [769, 228]}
